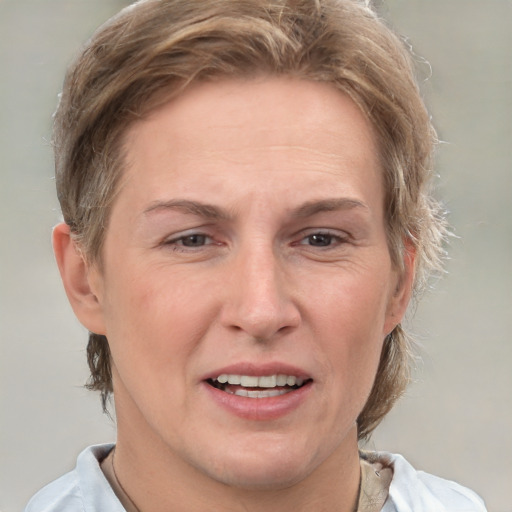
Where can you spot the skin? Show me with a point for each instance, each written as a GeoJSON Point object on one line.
{"type": "Point", "coordinates": [288, 264]}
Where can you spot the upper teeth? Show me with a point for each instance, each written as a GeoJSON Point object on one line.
{"type": "Point", "coordinates": [264, 381]}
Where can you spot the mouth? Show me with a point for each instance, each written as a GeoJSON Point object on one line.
{"type": "Point", "coordinates": [252, 386]}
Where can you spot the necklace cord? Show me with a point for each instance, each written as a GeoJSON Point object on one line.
{"type": "Point", "coordinates": [118, 482]}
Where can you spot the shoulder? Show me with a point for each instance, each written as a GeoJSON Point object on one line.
{"type": "Point", "coordinates": [417, 491]}
{"type": "Point", "coordinates": [85, 489]}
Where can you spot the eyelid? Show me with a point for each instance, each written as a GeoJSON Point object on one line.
{"type": "Point", "coordinates": [177, 237]}
{"type": "Point", "coordinates": [335, 233]}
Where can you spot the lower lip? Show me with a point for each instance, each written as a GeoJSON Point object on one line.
{"type": "Point", "coordinates": [260, 409]}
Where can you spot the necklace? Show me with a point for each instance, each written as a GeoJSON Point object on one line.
{"type": "Point", "coordinates": [133, 507]}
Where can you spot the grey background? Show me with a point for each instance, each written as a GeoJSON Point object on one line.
{"type": "Point", "coordinates": [456, 420]}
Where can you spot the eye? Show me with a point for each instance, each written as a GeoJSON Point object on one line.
{"type": "Point", "coordinates": [190, 241]}
{"type": "Point", "coordinates": [320, 239]}
{"type": "Point", "coordinates": [195, 240]}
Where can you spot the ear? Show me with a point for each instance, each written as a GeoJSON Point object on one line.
{"type": "Point", "coordinates": [401, 295]}
{"type": "Point", "coordinates": [81, 289]}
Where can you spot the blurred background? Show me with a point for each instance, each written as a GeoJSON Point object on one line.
{"type": "Point", "coordinates": [456, 419]}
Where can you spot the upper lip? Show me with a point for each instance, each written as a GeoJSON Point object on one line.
{"type": "Point", "coordinates": [258, 370]}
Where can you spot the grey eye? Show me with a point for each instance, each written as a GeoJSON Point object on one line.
{"type": "Point", "coordinates": [194, 240]}
{"type": "Point", "coordinates": [320, 239]}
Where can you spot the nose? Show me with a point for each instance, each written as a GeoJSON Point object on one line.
{"type": "Point", "coordinates": [258, 298]}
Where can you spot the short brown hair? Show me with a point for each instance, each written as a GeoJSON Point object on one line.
{"type": "Point", "coordinates": [153, 49]}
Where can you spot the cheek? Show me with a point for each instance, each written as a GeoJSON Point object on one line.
{"type": "Point", "coordinates": [353, 305]}
{"type": "Point", "coordinates": [155, 318]}
{"type": "Point", "coordinates": [351, 319]}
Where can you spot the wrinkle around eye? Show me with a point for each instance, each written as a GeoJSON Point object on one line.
{"type": "Point", "coordinates": [336, 252]}
{"type": "Point", "coordinates": [174, 251]}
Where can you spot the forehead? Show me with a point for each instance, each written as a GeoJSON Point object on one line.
{"type": "Point", "coordinates": [293, 133]}
{"type": "Point", "coordinates": [254, 104]}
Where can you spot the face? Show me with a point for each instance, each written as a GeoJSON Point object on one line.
{"type": "Point", "coordinates": [247, 286]}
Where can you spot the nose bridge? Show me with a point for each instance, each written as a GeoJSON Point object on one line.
{"type": "Point", "coordinates": [259, 302]}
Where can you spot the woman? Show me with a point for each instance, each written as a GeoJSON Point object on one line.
{"type": "Point", "coordinates": [245, 188]}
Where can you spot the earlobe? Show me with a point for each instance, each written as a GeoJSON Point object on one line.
{"type": "Point", "coordinates": [75, 274]}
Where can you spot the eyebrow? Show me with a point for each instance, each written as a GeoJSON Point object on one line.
{"type": "Point", "coordinates": [209, 211]}
{"type": "Point", "coordinates": [328, 205]}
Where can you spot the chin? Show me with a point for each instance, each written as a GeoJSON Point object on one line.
{"type": "Point", "coordinates": [270, 467]}
{"type": "Point", "coordinates": [264, 477]}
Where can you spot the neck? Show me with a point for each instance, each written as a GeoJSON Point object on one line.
{"type": "Point", "coordinates": [156, 481]}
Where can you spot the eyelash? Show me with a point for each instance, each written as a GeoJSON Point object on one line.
{"type": "Point", "coordinates": [179, 244]}
{"type": "Point", "coordinates": [191, 238]}
{"type": "Point", "coordinates": [332, 238]}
